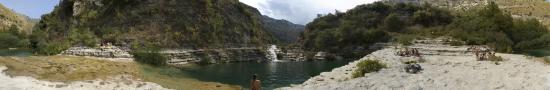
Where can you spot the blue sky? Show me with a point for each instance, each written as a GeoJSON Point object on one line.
{"type": "Point", "coordinates": [296, 11]}
{"type": "Point", "coordinates": [31, 8]}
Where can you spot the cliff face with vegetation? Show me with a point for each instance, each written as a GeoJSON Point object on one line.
{"type": "Point", "coordinates": [364, 25]}
{"type": "Point", "coordinates": [163, 23]}
{"type": "Point", "coordinates": [10, 19]}
{"type": "Point", "coordinates": [524, 9]}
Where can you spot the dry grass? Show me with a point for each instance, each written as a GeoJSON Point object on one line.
{"type": "Point", "coordinates": [71, 68]}
{"type": "Point", "coordinates": [66, 68]}
{"type": "Point", "coordinates": [546, 60]}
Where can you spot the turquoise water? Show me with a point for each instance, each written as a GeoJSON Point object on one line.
{"type": "Point", "coordinates": [16, 52]}
{"type": "Point", "coordinates": [271, 74]}
{"type": "Point", "coordinates": [539, 52]}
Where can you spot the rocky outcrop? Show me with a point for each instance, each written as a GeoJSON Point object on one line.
{"type": "Point", "coordinates": [106, 52]}
{"type": "Point", "coordinates": [293, 53]}
{"type": "Point", "coordinates": [181, 57]}
{"type": "Point", "coordinates": [167, 23]}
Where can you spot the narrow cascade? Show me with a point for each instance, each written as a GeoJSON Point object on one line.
{"type": "Point", "coordinates": [273, 53]}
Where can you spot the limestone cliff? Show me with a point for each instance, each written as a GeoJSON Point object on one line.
{"type": "Point", "coordinates": [167, 23]}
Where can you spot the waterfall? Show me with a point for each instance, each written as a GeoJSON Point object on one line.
{"type": "Point", "coordinates": [273, 53]}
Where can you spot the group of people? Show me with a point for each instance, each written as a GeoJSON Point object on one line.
{"type": "Point", "coordinates": [408, 52]}
{"type": "Point", "coordinates": [482, 53]}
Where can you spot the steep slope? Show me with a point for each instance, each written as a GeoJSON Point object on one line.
{"type": "Point", "coordinates": [518, 8]}
{"type": "Point", "coordinates": [284, 31]}
{"type": "Point", "coordinates": [165, 23]}
{"type": "Point", "coordinates": [9, 18]}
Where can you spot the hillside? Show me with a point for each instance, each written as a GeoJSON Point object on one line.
{"type": "Point", "coordinates": [163, 23]}
{"type": "Point", "coordinates": [517, 8]}
{"type": "Point", "coordinates": [283, 30]}
{"type": "Point", "coordinates": [355, 30]}
{"type": "Point", "coordinates": [9, 18]}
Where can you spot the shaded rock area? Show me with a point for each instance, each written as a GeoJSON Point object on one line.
{"type": "Point", "coordinates": [180, 57]}
{"type": "Point", "coordinates": [292, 54]}
{"type": "Point", "coordinates": [444, 67]}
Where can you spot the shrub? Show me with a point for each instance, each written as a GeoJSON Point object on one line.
{"type": "Point", "coordinates": [50, 48]}
{"type": "Point", "coordinates": [151, 58]}
{"type": "Point", "coordinates": [8, 40]}
{"type": "Point", "coordinates": [546, 60]}
{"type": "Point", "coordinates": [496, 59]}
{"type": "Point", "coordinates": [149, 55]}
{"type": "Point", "coordinates": [405, 39]}
{"type": "Point", "coordinates": [456, 43]}
{"type": "Point", "coordinates": [392, 23]}
{"type": "Point", "coordinates": [367, 66]}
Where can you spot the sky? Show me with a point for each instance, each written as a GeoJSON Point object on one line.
{"type": "Point", "coordinates": [296, 11]}
{"type": "Point", "coordinates": [302, 11]}
{"type": "Point", "coordinates": [31, 8]}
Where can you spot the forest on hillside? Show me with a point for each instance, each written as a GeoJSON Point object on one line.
{"type": "Point", "coordinates": [364, 25]}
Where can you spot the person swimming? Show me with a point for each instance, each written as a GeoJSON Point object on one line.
{"type": "Point", "coordinates": [255, 84]}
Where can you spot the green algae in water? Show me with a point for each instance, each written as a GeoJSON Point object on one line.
{"type": "Point", "coordinates": [174, 78]}
{"type": "Point", "coordinates": [15, 52]}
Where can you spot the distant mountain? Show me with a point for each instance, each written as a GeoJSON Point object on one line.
{"type": "Point", "coordinates": [283, 30]}
{"type": "Point", "coordinates": [8, 18]}
{"type": "Point", "coordinates": [165, 23]}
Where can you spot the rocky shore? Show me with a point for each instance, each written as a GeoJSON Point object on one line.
{"type": "Point", "coordinates": [445, 68]}
{"type": "Point", "coordinates": [178, 57]}
{"type": "Point", "coordinates": [104, 51]}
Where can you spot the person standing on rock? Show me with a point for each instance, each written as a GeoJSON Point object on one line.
{"type": "Point", "coordinates": [255, 84]}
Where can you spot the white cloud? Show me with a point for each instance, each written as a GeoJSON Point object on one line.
{"type": "Point", "coordinates": [302, 11]}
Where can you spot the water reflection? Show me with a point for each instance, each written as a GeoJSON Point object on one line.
{"type": "Point", "coordinates": [272, 74]}
{"type": "Point", "coordinates": [15, 52]}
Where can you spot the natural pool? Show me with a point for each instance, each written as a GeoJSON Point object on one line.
{"type": "Point", "coordinates": [272, 74]}
{"type": "Point", "coordinates": [539, 52]}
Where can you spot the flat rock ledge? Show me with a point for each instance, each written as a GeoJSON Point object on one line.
{"type": "Point", "coordinates": [445, 68]}
{"type": "Point", "coordinates": [104, 51]}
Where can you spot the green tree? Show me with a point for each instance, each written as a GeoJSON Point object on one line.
{"type": "Point", "coordinates": [393, 23]}
{"type": "Point", "coordinates": [8, 40]}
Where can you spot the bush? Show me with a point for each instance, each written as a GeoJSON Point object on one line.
{"type": "Point", "coordinates": [151, 58]}
{"type": "Point", "coordinates": [546, 60]}
{"type": "Point", "coordinates": [392, 23]}
{"type": "Point", "coordinates": [496, 59]}
{"type": "Point", "coordinates": [149, 54]}
{"type": "Point", "coordinates": [50, 48]}
{"type": "Point", "coordinates": [367, 66]}
{"type": "Point", "coordinates": [405, 39]}
{"type": "Point", "coordinates": [8, 40]}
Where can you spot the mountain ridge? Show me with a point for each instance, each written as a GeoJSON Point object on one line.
{"type": "Point", "coordinates": [8, 17]}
